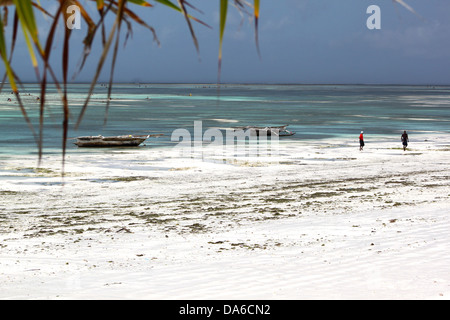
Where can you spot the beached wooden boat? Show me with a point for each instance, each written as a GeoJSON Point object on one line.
{"type": "Point", "coordinates": [280, 131]}
{"type": "Point", "coordinates": [114, 141]}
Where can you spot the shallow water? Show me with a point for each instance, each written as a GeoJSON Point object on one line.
{"type": "Point", "coordinates": [312, 111]}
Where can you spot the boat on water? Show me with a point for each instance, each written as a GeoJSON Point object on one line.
{"type": "Point", "coordinates": [114, 141]}
{"type": "Point", "coordinates": [280, 131]}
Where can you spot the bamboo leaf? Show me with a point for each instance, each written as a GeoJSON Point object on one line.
{"type": "Point", "coordinates": [111, 77]}
{"type": "Point", "coordinates": [113, 63]}
{"type": "Point", "coordinates": [11, 78]}
{"type": "Point", "coordinates": [405, 5]}
{"type": "Point", "coordinates": [47, 67]}
{"type": "Point", "coordinates": [191, 29]}
{"type": "Point", "coordinates": [85, 15]}
{"type": "Point", "coordinates": [4, 56]}
{"type": "Point", "coordinates": [408, 7]}
{"type": "Point", "coordinates": [65, 101]}
{"type": "Point", "coordinates": [169, 4]}
{"type": "Point", "coordinates": [222, 23]}
{"type": "Point", "coordinates": [138, 20]}
{"type": "Point", "coordinates": [256, 14]}
{"type": "Point", "coordinates": [141, 3]}
{"type": "Point", "coordinates": [175, 7]}
{"type": "Point", "coordinates": [100, 4]}
{"type": "Point", "coordinates": [256, 5]}
{"type": "Point", "coordinates": [39, 7]}
{"type": "Point", "coordinates": [106, 47]}
{"type": "Point", "coordinates": [25, 11]}
{"type": "Point", "coordinates": [13, 45]}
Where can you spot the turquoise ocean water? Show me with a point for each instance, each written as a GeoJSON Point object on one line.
{"type": "Point", "coordinates": [314, 112]}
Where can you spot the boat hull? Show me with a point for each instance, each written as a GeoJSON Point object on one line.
{"type": "Point", "coordinates": [108, 142]}
{"type": "Point", "coordinates": [266, 131]}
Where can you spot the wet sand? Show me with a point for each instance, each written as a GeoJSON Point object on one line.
{"type": "Point", "coordinates": [319, 220]}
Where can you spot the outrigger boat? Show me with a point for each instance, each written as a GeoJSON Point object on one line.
{"type": "Point", "coordinates": [115, 141]}
{"type": "Point", "coordinates": [280, 131]}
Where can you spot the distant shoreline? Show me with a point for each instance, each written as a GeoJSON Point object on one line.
{"type": "Point", "coordinates": [255, 84]}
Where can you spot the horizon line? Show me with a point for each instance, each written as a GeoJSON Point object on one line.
{"type": "Point", "coordinates": [250, 83]}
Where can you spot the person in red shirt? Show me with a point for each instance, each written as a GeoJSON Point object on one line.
{"type": "Point", "coordinates": [361, 141]}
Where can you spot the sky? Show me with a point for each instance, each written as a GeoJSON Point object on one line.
{"type": "Point", "coordinates": [301, 41]}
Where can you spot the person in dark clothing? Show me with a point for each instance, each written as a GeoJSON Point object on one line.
{"type": "Point", "coordinates": [361, 141]}
{"type": "Point", "coordinates": [405, 140]}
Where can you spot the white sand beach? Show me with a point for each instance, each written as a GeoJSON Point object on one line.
{"type": "Point", "coordinates": [322, 220]}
